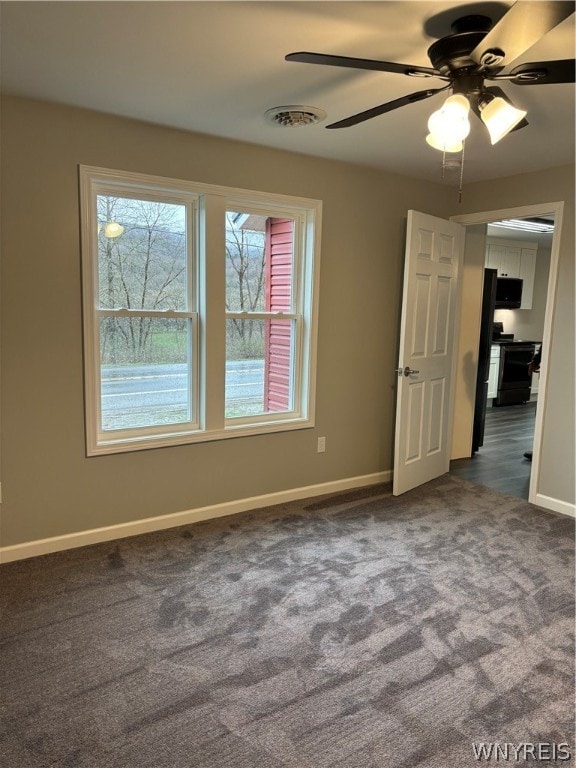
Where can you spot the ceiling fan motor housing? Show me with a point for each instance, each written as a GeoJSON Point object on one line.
{"type": "Point", "coordinates": [452, 53]}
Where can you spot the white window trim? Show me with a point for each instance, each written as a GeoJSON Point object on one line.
{"type": "Point", "coordinates": [209, 203]}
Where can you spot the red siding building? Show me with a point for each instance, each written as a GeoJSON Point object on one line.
{"type": "Point", "coordinates": [277, 344]}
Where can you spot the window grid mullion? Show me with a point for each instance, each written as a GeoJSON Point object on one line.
{"type": "Point", "coordinates": [262, 315]}
{"type": "Point", "coordinates": [160, 314]}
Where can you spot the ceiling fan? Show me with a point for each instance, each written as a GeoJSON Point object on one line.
{"type": "Point", "coordinates": [476, 51]}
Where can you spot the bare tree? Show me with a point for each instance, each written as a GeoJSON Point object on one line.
{"type": "Point", "coordinates": [142, 269]}
{"type": "Point", "coordinates": [245, 265]}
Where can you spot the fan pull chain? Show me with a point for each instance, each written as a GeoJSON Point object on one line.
{"type": "Point", "coordinates": [461, 172]}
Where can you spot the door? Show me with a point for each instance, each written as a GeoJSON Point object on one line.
{"type": "Point", "coordinates": [426, 359]}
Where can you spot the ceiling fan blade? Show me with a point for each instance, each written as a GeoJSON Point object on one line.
{"type": "Point", "coordinates": [519, 29]}
{"type": "Point", "coordinates": [383, 108]}
{"type": "Point", "coordinates": [543, 72]}
{"type": "Point", "coordinates": [306, 57]}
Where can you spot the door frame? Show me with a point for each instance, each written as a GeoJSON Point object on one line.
{"type": "Point", "coordinates": [522, 212]}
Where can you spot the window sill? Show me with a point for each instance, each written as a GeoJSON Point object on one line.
{"type": "Point", "coordinates": [110, 445]}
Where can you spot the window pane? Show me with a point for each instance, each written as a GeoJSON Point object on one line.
{"type": "Point", "coordinates": [141, 254]}
{"type": "Point", "coordinates": [144, 372]}
{"type": "Point", "coordinates": [259, 263]}
{"type": "Point", "coordinates": [259, 367]}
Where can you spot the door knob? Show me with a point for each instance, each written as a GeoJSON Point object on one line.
{"type": "Point", "coordinates": [406, 371]}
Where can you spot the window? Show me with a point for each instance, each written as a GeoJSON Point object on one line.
{"type": "Point", "coordinates": [199, 311]}
{"type": "Point", "coordinates": [263, 322]}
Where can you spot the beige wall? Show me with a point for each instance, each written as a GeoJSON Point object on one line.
{"type": "Point", "coordinates": [49, 487]}
{"type": "Point", "coordinates": [556, 479]}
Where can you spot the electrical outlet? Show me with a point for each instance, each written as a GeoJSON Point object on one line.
{"type": "Point", "coordinates": [321, 444]}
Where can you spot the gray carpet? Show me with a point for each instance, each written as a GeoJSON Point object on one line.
{"type": "Point", "coordinates": [352, 631]}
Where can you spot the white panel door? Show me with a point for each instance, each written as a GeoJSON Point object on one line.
{"type": "Point", "coordinates": [425, 365]}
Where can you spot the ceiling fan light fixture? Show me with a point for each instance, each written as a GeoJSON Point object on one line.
{"type": "Point", "coordinates": [457, 106]}
{"type": "Point", "coordinates": [113, 229]}
{"type": "Point", "coordinates": [449, 125]}
{"type": "Point", "coordinates": [500, 117]}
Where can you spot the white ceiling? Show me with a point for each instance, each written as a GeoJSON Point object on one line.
{"type": "Point", "coordinates": [216, 67]}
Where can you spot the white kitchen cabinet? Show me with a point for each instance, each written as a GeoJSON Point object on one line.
{"type": "Point", "coordinates": [514, 258]}
{"type": "Point", "coordinates": [494, 370]}
{"type": "Point", "coordinates": [505, 259]}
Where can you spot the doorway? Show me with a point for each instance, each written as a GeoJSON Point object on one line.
{"type": "Point", "coordinates": [502, 462]}
{"type": "Point", "coordinates": [511, 431]}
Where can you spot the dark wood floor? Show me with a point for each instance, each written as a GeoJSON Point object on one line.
{"type": "Point", "coordinates": [500, 463]}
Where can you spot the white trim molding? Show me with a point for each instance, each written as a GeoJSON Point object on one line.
{"type": "Point", "coordinates": [163, 522]}
{"type": "Point", "coordinates": [555, 505]}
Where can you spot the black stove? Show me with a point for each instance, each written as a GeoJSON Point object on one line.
{"type": "Point", "coordinates": [499, 337]}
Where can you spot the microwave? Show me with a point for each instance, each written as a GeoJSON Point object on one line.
{"type": "Point", "coordinates": [508, 293]}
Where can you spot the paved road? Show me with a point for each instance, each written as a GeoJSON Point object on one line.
{"type": "Point", "coordinates": [129, 393]}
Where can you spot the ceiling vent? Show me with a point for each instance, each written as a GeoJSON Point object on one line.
{"type": "Point", "coordinates": [295, 116]}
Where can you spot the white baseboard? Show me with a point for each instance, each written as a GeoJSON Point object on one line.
{"type": "Point", "coordinates": [555, 505]}
{"type": "Point", "coordinates": [123, 530]}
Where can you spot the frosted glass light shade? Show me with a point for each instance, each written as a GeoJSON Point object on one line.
{"type": "Point", "coordinates": [457, 107]}
{"type": "Point", "coordinates": [500, 117]}
{"type": "Point", "coordinates": [444, 146]}
{"type": "Point", "coordinates": [113, 229]}
{"type": "Point", "coordinates": [449, 125]}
